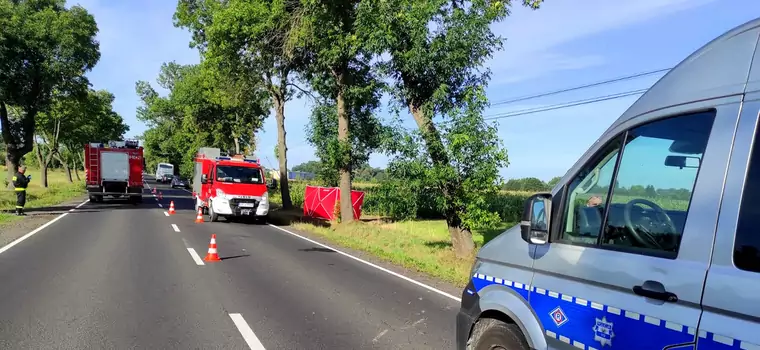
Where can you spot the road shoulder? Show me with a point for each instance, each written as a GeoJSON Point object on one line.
{"type": "Point", "coordinates": [12, 230]}
{"type": "Point", "coordinates": [410, 273]}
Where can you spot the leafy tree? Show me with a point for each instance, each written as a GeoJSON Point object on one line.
{"type": "Point", "coordinates": [554, 181]}
{"type": "Point", "coordinates": [436, 52]}
{"type": "Point", "coordinates": [206, 107]}
{"type": "Point", "coordinates": [531, 184]}
{"type": "Point", "coordinates": [311, 166]}
{"type": "Point", "coordinates": [44, 47]}
{"type": "Point", "coordinates": [249, 36]}
{"type": "Point", "coordinates": [72, 121]}
{"type": "Point", "coordinates": [367, 135]}
{"type": "Point", "coordinates": [328, 34]}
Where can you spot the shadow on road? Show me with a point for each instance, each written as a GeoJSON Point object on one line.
{"type": "Point", "coordinates": [317, 249]}
{"type": "Point", "coordinates": [234, 256]}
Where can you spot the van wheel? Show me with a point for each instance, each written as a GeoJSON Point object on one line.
{"type": "Point", "coordinates": [493, 334]}
{"type": "Point", "coordinates": [212, 216]}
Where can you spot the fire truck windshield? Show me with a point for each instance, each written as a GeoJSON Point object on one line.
{"type": "Point", "coordinates": [236, 174]}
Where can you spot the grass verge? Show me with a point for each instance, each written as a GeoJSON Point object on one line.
{"type": "Point", "coordinates": [421, 245]}
{"type": "Point", "coordinates": [59, 190]}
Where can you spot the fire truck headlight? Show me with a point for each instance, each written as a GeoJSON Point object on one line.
{"type": "Point", "coordinates": [265, 197]}
{"type": "Point", "coordinates": [220, 194]}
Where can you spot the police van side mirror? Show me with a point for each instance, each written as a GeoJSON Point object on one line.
{"type": "Point", "coordinates": [534, 225]}
{"type": "Point", "coordinates": [204, 179]}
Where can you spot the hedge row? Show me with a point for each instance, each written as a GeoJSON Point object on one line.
{"type": "Point", "coordinates": [399, 201]}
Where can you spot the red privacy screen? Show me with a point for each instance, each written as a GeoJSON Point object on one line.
{"type": "Point", "coordinates": [319, 202]}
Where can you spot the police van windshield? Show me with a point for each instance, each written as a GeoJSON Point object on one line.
{"type": "Point", "coordinates": [237, 174]}
{"type": "Point", "coordinates": [165, 166]}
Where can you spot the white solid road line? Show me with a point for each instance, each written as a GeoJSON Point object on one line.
{"type": "Point", "coordinates": [423, 285]}
{"type": "Point", "coordinates": [176, 229]}
{"type": "Point", "coordinates": [247, 332]}
{"type": "Point", "coordinates": [30, 234]}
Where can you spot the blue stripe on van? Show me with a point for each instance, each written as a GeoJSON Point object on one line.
{"type": "Point", "coordinates": [591, 326]}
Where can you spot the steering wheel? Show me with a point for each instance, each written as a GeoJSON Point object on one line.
{"type": "Point", "coordinates": [641, 234]}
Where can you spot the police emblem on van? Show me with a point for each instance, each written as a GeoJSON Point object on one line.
{"type": "Point", "coordinates": [558, 316]}
{"type": "Point", "coordinates": [603, 331]}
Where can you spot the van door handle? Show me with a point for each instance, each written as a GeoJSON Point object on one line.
{"type": "Point", "coordinates": [655, 290]}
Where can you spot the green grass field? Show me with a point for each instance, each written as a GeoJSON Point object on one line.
{"type": "Point", "coordinates": [58, 191]}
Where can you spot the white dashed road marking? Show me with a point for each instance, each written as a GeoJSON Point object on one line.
{"type": "Point", "coordinates": [247, 332]}
{"type": "Point", "coordinates": [193, 254]}
{"type": "Point", "coordinates": [166, 213]}
{"type": "Point", "coordinates": [176, 229]}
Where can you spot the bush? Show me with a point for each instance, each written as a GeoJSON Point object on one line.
{"type": "Point", "coordinates": [391, 199]}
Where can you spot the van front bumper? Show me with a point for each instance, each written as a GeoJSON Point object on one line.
{"type": "Point", "coordinates": [467, 316]}
{"type": "Point", "coordinates": [231, 207]}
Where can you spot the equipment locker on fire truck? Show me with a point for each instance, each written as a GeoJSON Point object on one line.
{"type": "Point", "coordinates": [114, 170]}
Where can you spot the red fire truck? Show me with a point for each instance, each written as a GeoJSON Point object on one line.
{"type": "Point", "coordinates": [114, 169]}
{"type": "Point", "coordinates": [229, 186]}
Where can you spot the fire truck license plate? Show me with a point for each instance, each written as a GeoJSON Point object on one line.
{"type": "Point", "coordinates": [245, 211]}
{"type": "Point", "coordinates": [246, 205]}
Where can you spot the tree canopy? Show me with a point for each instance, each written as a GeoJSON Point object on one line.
{"type": "Point", "coordinates": [45, 49]}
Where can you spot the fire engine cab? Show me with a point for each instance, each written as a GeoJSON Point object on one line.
{"type": "Point", "coordinates": [229, 186]}
{"type": "Point", "coordinates": [114, 169]}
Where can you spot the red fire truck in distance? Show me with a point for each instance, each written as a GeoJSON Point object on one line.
{"type": "Point", "coordinates": [114, 169]}
{"type": "Point", "coordinates": [229, 186]}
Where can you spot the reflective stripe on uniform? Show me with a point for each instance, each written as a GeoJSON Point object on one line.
{"type": "Point", "coordinates": [19, 207]}
{"type": "Point", "coordinates": [19, 189]}
{"type": "Point", "coordinates": [15, 178]}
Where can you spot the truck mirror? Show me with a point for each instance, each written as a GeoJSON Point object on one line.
{"type": "Point", "coordinates": [534, 227]}
{"type": "Point", "coordinates": [204, 179]}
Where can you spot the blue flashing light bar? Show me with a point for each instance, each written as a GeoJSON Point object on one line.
{"type": "Point", "coordinates": [238, 159]}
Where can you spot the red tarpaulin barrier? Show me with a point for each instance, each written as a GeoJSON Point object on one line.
{"type": "Point", "coordinates": [319, 202]}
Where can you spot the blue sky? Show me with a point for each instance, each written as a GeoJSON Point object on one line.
{"type": "Point", "coordinates": [561, 45]}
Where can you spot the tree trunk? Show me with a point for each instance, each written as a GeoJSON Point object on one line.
{"type": "Point", "coordinates": [76, 170]}
{"type": "Point", "coordinates": [16, 147]}
{"type": "Point", "coordinates": [237, 144]}
{"type": "Point", "coordinates": [461, 236]}
{"type": "Point", "coordinates": [12, 162]}
{"type": "Point", "coordinates": [66, 167]}
{"type": "Point", "coordinates": [344, 124]}
{"type": "Point", "coordinates": [282, 148]}
{"type": "Point", "coordinates": [43, 166]}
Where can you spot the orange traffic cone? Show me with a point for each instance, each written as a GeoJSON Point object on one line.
{"type": "Point", "coordinates": [212, 255]}
{"type": "Point", "coordinates": [199, 217]}
{"type": "Point", "coordinates": [171, 208]}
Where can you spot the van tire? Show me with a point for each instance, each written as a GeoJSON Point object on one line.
{"type": "Point", "coordinates": [212, 216]}
{"type": "Point", "coordinates": [490, 333]}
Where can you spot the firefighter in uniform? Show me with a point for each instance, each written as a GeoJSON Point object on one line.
{"type": "Point", "coordinates": [20, 182]}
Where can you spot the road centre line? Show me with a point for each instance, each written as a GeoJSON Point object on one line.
{"type": "Point", "coordinates": [193, 254]}
{"type": "Point", "coordinates": [176, 229]}
{"type": "Point", "coordinates": [24, 237]}
{"type": "Point", "coordinates": [247, 333]}
{"type": "Point", "coordinates": [418, 283]}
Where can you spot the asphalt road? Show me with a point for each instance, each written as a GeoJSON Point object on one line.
{"type": "Point", "coordinates": [117, 276]}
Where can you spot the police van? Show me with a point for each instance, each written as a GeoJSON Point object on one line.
{"type": "Point", "coordinates": [652, 239]}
